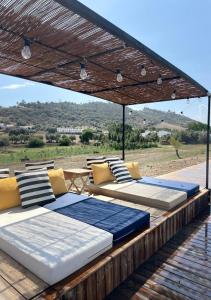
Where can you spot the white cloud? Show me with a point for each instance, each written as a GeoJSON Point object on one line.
{"type": "Point", "coordinates": [15, 86]}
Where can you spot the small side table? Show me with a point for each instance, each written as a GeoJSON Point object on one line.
{"type": "Point", "coordinates": [77, 174]}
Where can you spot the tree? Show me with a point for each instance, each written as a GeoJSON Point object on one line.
{"type": "Point", "coordinates": [35, 143]}
{"type": "Point", "coordinates": [86, 136]}
{"type": "Point", "coordinates": [64, 141]}
{"type": "Point", "coordinates": [4, 142]}
{"type": "Point", "coordinates": [176, 144]}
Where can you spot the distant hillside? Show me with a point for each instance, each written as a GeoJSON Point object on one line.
{"type": "Point", "coordinates": [97, 114]}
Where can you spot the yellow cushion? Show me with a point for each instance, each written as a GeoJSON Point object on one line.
{"type": "Point", "coordinates": [134, 169]}
{"type": "Point", "coordinates": [9, 193]}
{"type": "Point", "coordinates": [102, 173]}
{"type": "Point", "coordinates": [57, 181]}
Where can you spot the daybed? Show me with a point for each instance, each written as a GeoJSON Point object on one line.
{"type": "Point", "coordinates": [118, 220]}
{"type": "Point", "coordinates": [49, 244]}
{"type": "Point", "coordinates": [190, 188]}
{"type": "Point", "coordinates": [154, 196]}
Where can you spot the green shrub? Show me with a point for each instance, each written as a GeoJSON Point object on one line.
{"type": "Point", "coordinates": [35, 143]}
{"type": "Point", "coordinates": [64, 141]}
{"type": "Point", "coordinates": [4, 142]}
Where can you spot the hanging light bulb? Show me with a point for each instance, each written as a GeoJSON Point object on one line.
{"type": "Point", "coordinates": [119, 76]}
{"type": "Point", "coordinates": [181, 112]}
{"type": "Point", "coordinates": [143, 71]}
{"type": "Point", "coordinates": [130, 112]}
{"type": "Point", "coordinates": [159, 80]}
{"type": "Point", "coordinates": [144, 122]}
{"type": "Point", "coordinates": [83, 73]}
{"type": "Point", "coordinates": [188, 101]}
{"type": "Point", "coordinates": [173, 95]}
{"type": "Point", "coordinates": [26, 51]}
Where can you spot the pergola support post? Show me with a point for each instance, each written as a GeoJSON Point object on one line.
{"type": "Point", "coordinates": [208, 142]}
{"type": "Point", "coordinates": [123, 131]}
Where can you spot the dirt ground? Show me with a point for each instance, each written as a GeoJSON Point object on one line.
{"type": "Point", "coordinates": [154, 161]}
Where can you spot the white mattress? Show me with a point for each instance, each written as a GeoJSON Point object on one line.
{"type": "Point", "coordinates": [158, 197]}
{"type": "Point", "coordinates": [50, 245]}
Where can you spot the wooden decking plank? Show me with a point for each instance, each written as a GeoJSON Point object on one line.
{"type": "Point", "coordinates": [145, 292]}
{"type": "Point", "coordinates": [183, 252]}
{"type": "Point", "coordinates": [25, 282]}
{"type": "Point", "coordinates": [196, 246]}
{"type": "Point", "coordinates": [173, 285]}
{"type": "Point", "coordinates": [163, 290]}
{"type": "Point", "coordinates": [183, 273]}
{"type": "Point", "coordinates": [145, 289]}
{"type": "Point", "coordinates": [190, 266]}
{"type": "Point", "coordinates": [7, 292]}
{"type": "Point", "coordinates": [179, 279]}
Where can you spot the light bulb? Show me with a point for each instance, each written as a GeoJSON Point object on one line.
{"type": "Point", "coordinates": [119, 76]}
{"type": "Point", "coordinates": [83, 73]}
{"type": "Point", "coordinates": [159, 80]}
{"type": "Point", "coordinates": [144, 122]}
{"type": "Point", "coordinates": [143, 71]}
{"type": "Point", "coordinates": [26, 51]}
{"type": "Point", "coordinates": [188, 101]}
{"type": "Point", "coordinates": [173, 95]}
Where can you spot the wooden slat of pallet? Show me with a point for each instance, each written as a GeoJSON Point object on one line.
{"type": "Point", "coordinates": [19, 277]}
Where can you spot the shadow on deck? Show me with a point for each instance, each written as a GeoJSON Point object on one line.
{"type": "Point", "coordinates": [179, 270]}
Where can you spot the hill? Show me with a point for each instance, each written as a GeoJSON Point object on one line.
{"type": "Point", "coordinates": [96, 114]}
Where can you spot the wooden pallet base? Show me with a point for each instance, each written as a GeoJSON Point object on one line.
{"type": "Point", "coordinates": [101, 277]}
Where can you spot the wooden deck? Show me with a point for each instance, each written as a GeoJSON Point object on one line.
{"type": "Point", "coordinates": [99, 278]}
{"type": "Point", "coordinates": [179, 270]}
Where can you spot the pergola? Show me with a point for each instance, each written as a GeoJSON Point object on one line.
{"type": "Point", "coordinates": [65, 38]}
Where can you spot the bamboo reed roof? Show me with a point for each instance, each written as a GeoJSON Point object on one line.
{"type": "Point", "coordinates": [63, 32]}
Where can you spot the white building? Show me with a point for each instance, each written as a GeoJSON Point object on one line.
{"type": "Point", "coordinates": [69, 130]}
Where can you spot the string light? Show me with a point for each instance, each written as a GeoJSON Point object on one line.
{"type": "Point", "coordinates": [159, 80]}
{"type": "Point", "coordinates": [144, 121]}
{"type": "Point", "coordinates": [143, 71]}
{"type": "Point", "coordinates": [26, 51]}
{"type": "Point", "coordinates": [119, 76]}
{"type": "Point", "coordinates": [173, 95]}
{"type": "Point", "coordinates": [130, 112]}
{"type": "Point", "coordinates": [83, 73]}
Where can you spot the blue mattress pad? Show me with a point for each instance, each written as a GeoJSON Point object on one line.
{"type": "Point", "coordinates": [190, 188]}
{"type": "Point", "coordinates": [116, 219]}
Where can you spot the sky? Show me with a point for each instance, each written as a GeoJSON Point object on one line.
{"type": "Point", "coordinates": [178, 30]}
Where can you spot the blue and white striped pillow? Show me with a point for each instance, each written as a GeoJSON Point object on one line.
{"type": "Point", "coordinates": [120, 171]}
{"type": "Point", "coordinates": [34, 187]}
{"type": "Point", "coordinates": [39, 165]}
{"type": "Point", "coordinates": [5, 172]}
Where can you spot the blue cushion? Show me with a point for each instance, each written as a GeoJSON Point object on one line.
{"type": "Point", "coordinates": [190, 188]}
{"type": "Point", "coordinates": [117, 219]}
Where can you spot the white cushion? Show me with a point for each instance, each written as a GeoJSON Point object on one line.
{"type": "Point", "coordinates": [50, 245]}
{"type": "Point", "coordinates": [144, 194]}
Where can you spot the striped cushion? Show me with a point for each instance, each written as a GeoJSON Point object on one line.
{"type": "Point", "coordinates": [112, 158]}
{"type": "Point", "coordinates": [39, 165]}
{"type": "Point", "coordinates": [94, 160]}
{"type": "Point", "coordinates": [34, 187]}
{"type": "Point", "coordinates": [120, 171]}
{"type": "Point", "coordinates": [5, 172]}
